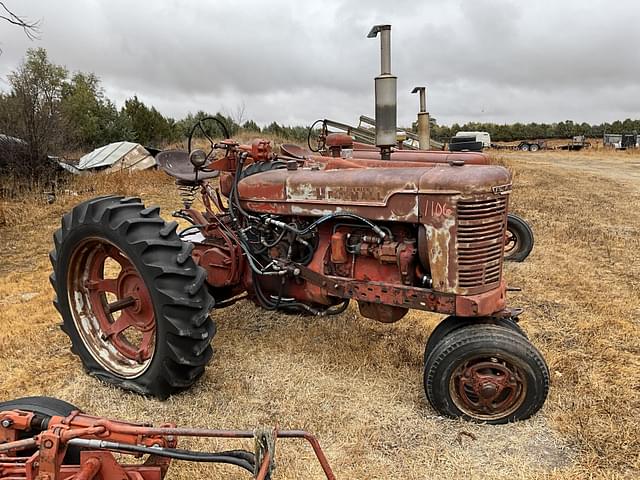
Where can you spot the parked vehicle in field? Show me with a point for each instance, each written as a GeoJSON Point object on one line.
{"type": "Point", "coordinates": [621, 141]}
{"type": "Point", "coordinates": [135, 292]}
{"type": "Point", "coordinates": [465, 144]}
{"type": "Point", "coordinates": [578, 142]}
{"type": "Point", "coordinates": [303, 234]}
{"type": "Point", "coordinates": [483, 137]}
{"type": "Point", "coordinates": [531, 145]}
{"type": "Point", "coordinates": [523, 145]}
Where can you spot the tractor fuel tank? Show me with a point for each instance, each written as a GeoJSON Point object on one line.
{"type": "Point", "coordinates": [376, 193]}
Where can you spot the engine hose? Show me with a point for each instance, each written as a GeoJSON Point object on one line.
{"type": "Point", "coordinates": [320, 313]}
{"type": "Point", "coordinates": [377, 230]}
{"type": "Point", "coordinates": [373, 226]}
{"type": "Point", "coordinates": [236, 180]}
{"type": "Point", "coordinates": [277, 241]}
{"type": "Point", "coordinates": [340, 308]}
{"type": "Point", "coordinates": [309, 257]}
{"type": "Point", "coordinates": [336, 226]}
{"type": "Point", "coordinates": [245, 248]}
{"type": "Point", "coordinates": [184, 216]}
{"type": "Point", "coordinates": [243, 239]}
{"type": "Point", "coordinates": [262, 299]}
{"type": "Point", "coordinates": [234, 457]}
{"type": "Point", "coordinates": [269, 305]}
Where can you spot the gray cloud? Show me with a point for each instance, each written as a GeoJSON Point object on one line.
{"type": "Point", "coordinates": [294, 61]}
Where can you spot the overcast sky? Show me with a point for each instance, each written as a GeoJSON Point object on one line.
{"type": "Point", "coordinates": [296, 61]}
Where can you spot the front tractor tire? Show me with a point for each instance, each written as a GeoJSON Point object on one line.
{"type": "Point", "coordinates": [132, 300]}
{"type": "Point", "coordinates": [486, 373]}
{"type": "Point", "coordinates": [519, 240]}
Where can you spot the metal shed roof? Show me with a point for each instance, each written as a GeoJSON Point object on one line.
{"type": "Point", "coordinates": [106, 156]}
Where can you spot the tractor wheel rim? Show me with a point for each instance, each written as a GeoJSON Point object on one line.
{"type": "Point", "coordinates": [510, 243]}
{"type": "Point", "coordinates": [488, 388]}
{"type": "Point", "coordinates": [111, 308]}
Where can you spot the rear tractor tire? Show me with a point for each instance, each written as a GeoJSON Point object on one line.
{"type": "Point", "coordinates": [486, 373]}
{"type": "Point", "coordinates": [132, 300]}
{"type": "Point", "coordinates": [519, 239]}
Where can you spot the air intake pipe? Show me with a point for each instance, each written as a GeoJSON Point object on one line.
{"type": "Point", "coordinates": [386, 94]}
{"type": "Point", "coordinates": [424, 134]}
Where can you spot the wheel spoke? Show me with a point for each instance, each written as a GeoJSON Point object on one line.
{"type": "Point", "coordinates": [125, 321]}
{"type": "Point", "coordinates": [139, 350]}
{"type": "Point", "coordinates": [117, 255]}
{"type": "Point", "coordinates": [146, 345]}
{"type": "Point", "coordinates": [102, 285]}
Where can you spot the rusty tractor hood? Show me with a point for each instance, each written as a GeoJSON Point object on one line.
{"type": "Point", "coordinates": [317, 192]}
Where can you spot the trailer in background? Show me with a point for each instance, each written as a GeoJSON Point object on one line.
{"type": "Point", "coordinates": [578, 142]}
{"type": "Point", "coordinates": [524, 146]}
{"type": "Point", "coordinates": [621, 141]}
{"type": "Point", "coordinates": [531, 145]}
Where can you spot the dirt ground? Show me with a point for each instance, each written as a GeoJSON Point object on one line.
{"type": "Point", "coordinates": [357, 384]}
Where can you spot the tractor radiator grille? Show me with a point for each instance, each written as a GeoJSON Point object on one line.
{"type": "Point", "coordinates": [480, 241]}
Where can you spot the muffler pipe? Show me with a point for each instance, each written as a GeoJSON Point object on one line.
{"type": "Point", "coordinates": [424, 133]}
{"type": "Point", "coordinates": [386, 94]}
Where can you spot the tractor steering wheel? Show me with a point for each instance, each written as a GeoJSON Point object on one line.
{"type": "Point", "coordinates": [200, 125]}
{"type": "Point", "coordinates": [321, 139]}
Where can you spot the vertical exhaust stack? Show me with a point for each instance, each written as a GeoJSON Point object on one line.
{"type": "Point", "coordinates": [386, 94]}
{"type": "Point", "coordinates": [424, 134]}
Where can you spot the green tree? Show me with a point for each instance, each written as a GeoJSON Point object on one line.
{"type": "Point", "coordinates": [147, 124]}
{"type": "Point", "coordinates": [251, 126]}
{"type": "Point", "coordinates": [91, 118]}
{"type": "Point", "coordinates": [33, 108]}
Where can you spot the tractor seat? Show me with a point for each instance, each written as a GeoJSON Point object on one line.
{"type": "Point", "coordinates": [176, 163]}
{"type": "Point", "coordinates": [294, 151]}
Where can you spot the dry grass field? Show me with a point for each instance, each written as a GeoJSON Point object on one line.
{"type": "Point", "coordinates": [357, 384]}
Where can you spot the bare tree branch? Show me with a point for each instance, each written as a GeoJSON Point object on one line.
{"type": "Point", "coordinates": [31, 28]}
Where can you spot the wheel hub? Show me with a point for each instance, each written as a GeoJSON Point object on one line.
{"type": "Point", "coordinates": [487, 389]}
{"type": "Point", "coordinates": [112, 308]}
{"type": "Point", "coordinates": [510, 242]}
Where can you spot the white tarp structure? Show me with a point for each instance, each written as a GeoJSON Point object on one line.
{"type": "Point", "coordinates": [117, 156]}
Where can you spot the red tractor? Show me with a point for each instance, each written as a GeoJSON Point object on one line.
{"type": "Point", "coordinates": [303, 234]}
{"type": "Point", "coordinates": [308, 236]}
